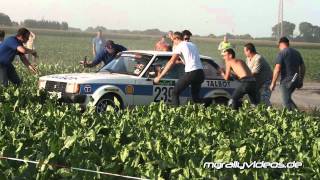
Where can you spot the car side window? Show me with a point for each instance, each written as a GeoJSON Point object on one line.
{"type": "Point", "coordinates": [210, 69]}
{"type": "Point", "coordinates": [159, 63]}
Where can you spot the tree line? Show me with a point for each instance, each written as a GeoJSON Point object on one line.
{"type": "Point", "coordinates": [307, 31]}
{"type": "Point", "coordinates": [31, 23]}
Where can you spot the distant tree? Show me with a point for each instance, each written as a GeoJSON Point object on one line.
{"type": "Point", "coordinates": [229, 35]}
{"type": "Point", "coordinates": [91, 29]}
{"type": "Point", "coordinates": [316, 33]}
{"type": "Point", "coordinates": [100, 28]}
{"type": "Point", "coordinates": [45, 24]}
{"type": "Point", "coordinates": [5, 20]}
{"type": "Point", "coordinates": [212, 36]}
{"type": "Point", "coordinates": [15, 23]}
{"type": "Point", "coordinates": [306, 31]}
{"type": "Point", "coordinates": [152, 32]}
{"type": "Point", "coordinates": [64, 26]}
{"type": "Point", "coordinates": [288, 29]}
{"type": "Point", "coordinates": [245, 36]}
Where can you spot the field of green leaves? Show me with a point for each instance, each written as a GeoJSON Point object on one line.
{"type": "Point", "coordinates": [155, 142]}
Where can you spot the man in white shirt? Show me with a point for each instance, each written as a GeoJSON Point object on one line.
{"type": "Point", "coordinates": [194, 74]}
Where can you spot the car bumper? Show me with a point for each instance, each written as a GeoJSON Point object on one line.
{"type": "Point", "coordinates": [73, 98]}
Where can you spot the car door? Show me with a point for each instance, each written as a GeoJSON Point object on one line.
{"type": "Point", "coordinates": [214, 82]}
{"type": "Point", "coordinates": [163, 90]}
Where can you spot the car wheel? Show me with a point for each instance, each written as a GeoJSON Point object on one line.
{"type": "Point", "coordinates": [220, 100]}
{"type": "Point", "coordinates": [105, 101]}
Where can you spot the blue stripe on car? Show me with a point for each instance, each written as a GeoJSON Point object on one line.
{"type": "Point", "coordinates": [147, 90]}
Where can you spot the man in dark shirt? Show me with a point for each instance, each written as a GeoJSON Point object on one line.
{"type": "Point", "coordinates": [2, 34]}
{"type": "Point", "coordinates": [291, 66]}
{"type": "Point", "coordinates": [11, 47]}
{"type": "Point", "coordinates": [106, 55]}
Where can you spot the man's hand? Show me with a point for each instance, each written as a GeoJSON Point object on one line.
{"type": "Point", "coordinates": [33, 69]}
{"type": "Point", "coordinates": [272, 86]}
{"type": "Point", "coordinates": [156, 80]}
{"type": "Point", "coordinates": [84, 63]}
{"type": "Point", "coordinates": [220, 72]}
{"type": "Point", "coordinates": [35, 54]}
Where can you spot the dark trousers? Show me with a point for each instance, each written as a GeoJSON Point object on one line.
{"type": "Point", "coordinates": [247, 86]}
{"type": "Point", "coordinates": [8, 73]}
{"type": "Point", "coordinates": [195, 79]}
{"type": "Point", "coordinates": [286, 93]}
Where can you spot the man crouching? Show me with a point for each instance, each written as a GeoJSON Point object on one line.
{"type": "Point", "coordinates": [242, 72]}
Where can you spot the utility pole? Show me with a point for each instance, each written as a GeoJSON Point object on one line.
{"type": "Point", "coordinates": [280, 19]}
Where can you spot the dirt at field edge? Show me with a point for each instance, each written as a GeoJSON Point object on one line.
{"type": "Point", "coordinates": [307, 97]}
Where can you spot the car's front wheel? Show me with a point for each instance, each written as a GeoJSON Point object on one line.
{"type": "Point", "coordinates": [107, 100]}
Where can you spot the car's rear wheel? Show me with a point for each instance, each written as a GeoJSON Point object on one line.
{"type": "Point", "coordinates": [216, 100]}
{"type": "Point", "coordinates": [220, 100]}
{"type": "Point", "coordinates": [105, 101]}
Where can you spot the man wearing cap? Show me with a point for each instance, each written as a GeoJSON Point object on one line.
{"type": "Point", "coordinates": [194, 75]}
{"type": "Point", "coordinates": [11, 47]}
{"type": "Point", "coordinates": [291, 66]}
{"type": "Point", "coordinates": [106, 55]}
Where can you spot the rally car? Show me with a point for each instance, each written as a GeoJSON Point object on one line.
{"type": "Point", "coordinates": [128, 80]}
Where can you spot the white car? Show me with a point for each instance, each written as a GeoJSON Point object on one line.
{"type": "Point", "coordinates": [129, 79]}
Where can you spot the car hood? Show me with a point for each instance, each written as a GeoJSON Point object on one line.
{"type": "Point", "coordinates": [81, 78]}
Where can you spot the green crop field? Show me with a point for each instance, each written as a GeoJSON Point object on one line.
{"type": "Point", "coordinates": [157, 141]}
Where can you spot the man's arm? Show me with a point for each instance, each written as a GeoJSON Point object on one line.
{"type": "Point", "coordinates": [168, 66]}
{"type": "Point", "coordinates": [220, 46]}
{"type": "Point", "coordinates": [256, 66]}
{"type": "Point", "coordinates": [97, 60]}
{"type": "Point", "coordinates": [93, 47]}
{"type": "Point", "coordinates": [26, 62]}
{"type": "Point", "coordinates": [275, 76]}
{"type": "Point", "coordinates": [226, 74]}
{"type": "Point", "coordinates": [302, 71]}
{"type": "Point", "coordinates": [24, 50]}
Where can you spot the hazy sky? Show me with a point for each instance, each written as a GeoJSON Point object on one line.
{"type": "Point", "coordinates": [203, 17]}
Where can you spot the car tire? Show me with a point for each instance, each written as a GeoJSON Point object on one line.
{"type": "Point", "coordinates": [105, 101]}
{"type": "Point", "coordinates": [220, 101]}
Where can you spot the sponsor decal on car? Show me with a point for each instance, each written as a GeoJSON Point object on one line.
{"type": "Point", "coordinates": [87, 88]}
{"type": "Point", "coordinates": [129, 89]}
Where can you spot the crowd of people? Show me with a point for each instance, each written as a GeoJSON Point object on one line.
{"type": "Point", "coordinates": [255, 75]}
{"type": "Point", "coordinates": [257, 80]}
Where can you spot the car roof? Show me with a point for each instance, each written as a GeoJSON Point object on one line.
{"type": "Point", "coordinates": [160, 53]}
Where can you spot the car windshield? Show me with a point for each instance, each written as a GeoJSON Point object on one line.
{"type": "Point", "coordinates": [128, 63]}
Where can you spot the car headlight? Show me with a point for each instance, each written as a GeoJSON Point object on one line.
{"type": "Point", "coordinates": [72, 88]}
{"type": "Point", "coordinates": [41, 84]}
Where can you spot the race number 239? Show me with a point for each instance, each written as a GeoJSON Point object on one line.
{"type": "Point", "coordinates": [163, 94]}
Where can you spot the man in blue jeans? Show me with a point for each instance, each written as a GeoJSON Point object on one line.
{"type": "Point", "coordinates": [11, 47]}
{"type": "Point", "coordinates": [194, 74]}
{"type": "Point", "coordinates": [291, 66]}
